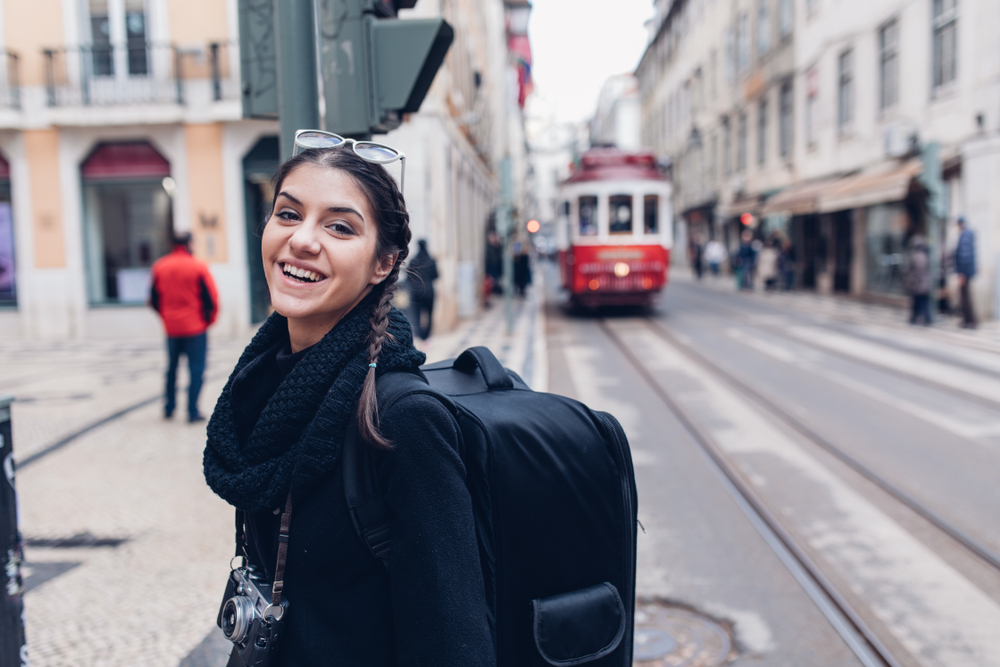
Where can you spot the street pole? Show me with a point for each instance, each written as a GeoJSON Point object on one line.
{"type": "Point", "coordinates": [507, 229]}
{"type": "Point", "coordinates": [937, 210]}
{"type": "Point", "coordinates": [298, 98]}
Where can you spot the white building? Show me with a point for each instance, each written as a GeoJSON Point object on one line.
{"type": "Point", "coordinates": [617, 119]}
{"type": "Point", "coordinates": [810, 115]}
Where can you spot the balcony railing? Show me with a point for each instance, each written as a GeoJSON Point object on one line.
{"type": "Point", "coordinates": [10, 81]}
{"type": "Point", "coordinates": [138, 73]}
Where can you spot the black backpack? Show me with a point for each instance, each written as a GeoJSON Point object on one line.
{"type": "Point", "coordinates": [554, 498]}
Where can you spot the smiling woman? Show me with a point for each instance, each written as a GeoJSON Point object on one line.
{"type": "Point", "coordinates": [332, 248]}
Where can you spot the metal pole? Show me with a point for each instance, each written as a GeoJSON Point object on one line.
{"type": "Point", "coordinates": [298, 96]}
{"type": "Point", "coordinates": [937, 210]}
{"type": "Point", "coordinates": [507, 229]}
{"type": "Point", "coordinates": [12, 649]}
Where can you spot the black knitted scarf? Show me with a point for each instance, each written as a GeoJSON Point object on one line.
{"type": "Point", "coordinates": [297, 439]}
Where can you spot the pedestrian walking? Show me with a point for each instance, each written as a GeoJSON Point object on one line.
{"type": "Point", "coordinates": [918, 279]}
{"type": "Point", "coordinates": [786, 264]}
{"type": "Point", "coordinates": [965, 267]}
{"type": "Point", "coordinates": [768, 265]}
{"type": "Point", "coordinates": [522, 268]}
{"type": "Point", "coordinates": [715, 255]}
{"type": "Point", "coordinates": [746, 258]}
{"type": "Point", "coordinates": [183, 293]}
{"type": "Point", "coordinates": [420, 276]}
{"type": "Point", "coordinates": [332, 249]}
{"type": "Point", "coordinates": [695, 254]}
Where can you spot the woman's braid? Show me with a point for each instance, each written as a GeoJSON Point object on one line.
{"type": "Point", "coordinates": [379, 323]}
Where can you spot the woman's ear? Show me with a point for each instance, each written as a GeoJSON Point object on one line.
{"type": "Point", "coordinates": [384, 268]}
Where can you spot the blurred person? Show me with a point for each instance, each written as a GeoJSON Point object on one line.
{"type": "Point", "coordinates": [522, 268]}
{"type": "Point", "coordinates": [421, 274]}
{"type": "Point", "coordinates": [786, 264]}
{"type": "Point", "coordinates": [918, 279]}
{"type": "Point", "coordinates": [715, 254]}
{"type": "Point", "coordinates": [746, 257]}
{"type": "Point", "coordinates": [332, 248]}
{"type": "Point", "coordinates": [767, 263]}
{"type": "Point", "coordinates": [965, 267]}
{"type": "Point", "coordinates": [184, 294]}
{"type": "Point", "coordinates": [695, 255]}
{"type": "Point", "coordinates": [494, 261]}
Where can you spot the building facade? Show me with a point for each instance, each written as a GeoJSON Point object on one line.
{"type": "Point", "coordinates": [120, 124]}
{"type": "Point", "coordinates": [832, 123]}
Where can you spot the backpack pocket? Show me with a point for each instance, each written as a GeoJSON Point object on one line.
{"type": "Point", "coordinates": [579, 627]}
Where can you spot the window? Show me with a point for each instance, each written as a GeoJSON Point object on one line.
{"type": "Point", "coordinates": [620, 214]}
{"type": "Point", "coordinates": [762, 132]}
{"type": "Point", "coordinates": [741, 143]}
{"type": "Point", "coordinates": [784, 18]}
{"type": "Point", "coordinates": [727, 166]}
{"type": "Point", "coordinates": [713, 165]}
{"type": "Point", "coordinates": [845, 90]}
{"type": "Point", "coordinates": [743, 43]}
{"type": "Point", "coordinates": [785, 120]}
{"type": "Point", "coordinates": [729, 63]}
{"type": "Point", "coordinates": [888, 47]}
{"type": "Point", "coordinates": [763, 28]}
{"type": "Point", "coordinates": [650, 214]}
{"type": "Point", "coordinates": [8, 266]}
{"type": "Point", "coordinates": [713, 73]}
{"type": "Point", "coordinates": [114, 23]}
{"type": "Point", "coordinates": [127, 220]}
{"type": "Point", "coordinates": [945, 66]}
{"type": "Point", "coordinates": [588, 216]}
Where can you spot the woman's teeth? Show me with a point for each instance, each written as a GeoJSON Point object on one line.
{"type": "Point", "coordinates": [301, 274]}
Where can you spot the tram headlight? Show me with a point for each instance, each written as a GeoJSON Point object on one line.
{"type": "Point", "coordinates": [594, 283]}
{"type": "Point", "coordinates": [621, 269]}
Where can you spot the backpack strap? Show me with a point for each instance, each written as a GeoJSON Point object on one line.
{"type": "Point", "coordinates": [365, 500]}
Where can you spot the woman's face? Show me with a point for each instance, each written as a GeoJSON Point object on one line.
{"type": "Point", "coordinates": [319, 250]}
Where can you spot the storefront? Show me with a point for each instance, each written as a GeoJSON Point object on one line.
{"type": "Point", "coordinates": [127, 219]}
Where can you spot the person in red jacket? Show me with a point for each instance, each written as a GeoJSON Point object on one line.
{"type": "Point", "coordinates": [184, 295]}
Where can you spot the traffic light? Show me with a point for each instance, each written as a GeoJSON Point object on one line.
{"type": "Point", "coordinates": [373, 67]}
{"type": "Point", "coordinates": [376, 69]}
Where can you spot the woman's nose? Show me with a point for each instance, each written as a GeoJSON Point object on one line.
{"type": "Point", "coordinates": [304, 239]}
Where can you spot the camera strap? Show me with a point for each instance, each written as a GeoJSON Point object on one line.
{"type": "Point", "coordinates": [279, 568]}
{"type": "Point", "coordinates": [283, 530]}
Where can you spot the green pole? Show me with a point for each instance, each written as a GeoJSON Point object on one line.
{"type": "Point", "coordinates": [298, 95]}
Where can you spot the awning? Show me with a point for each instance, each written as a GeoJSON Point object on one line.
{"type": "Point", "coordinates": [867, 189]}
{"type": "Point", "coordinates": [799, 199]}
{"type": "Point", "coordinates": [742, 204]}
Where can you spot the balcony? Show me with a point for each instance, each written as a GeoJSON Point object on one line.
{"type": "Point", "coordinates": [10, 82]}
{"type": "Point", "coordinates": [140, 73]}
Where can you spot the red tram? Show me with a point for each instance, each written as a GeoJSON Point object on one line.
{"type": "Point", "coordinates": [614, 232]}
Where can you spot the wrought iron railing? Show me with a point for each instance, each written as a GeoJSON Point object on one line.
{"type": "Point", "coordinates": [139, 73]}
{"type": "Point", "coordinates": [10, 81]}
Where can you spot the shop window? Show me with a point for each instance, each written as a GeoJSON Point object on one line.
{"type": "Point", "coordinates": [127, 219]}
{"type": "Point", "coordinates": [650, 214]}
{"type": "Point", "coordinates": [620, 210]}
{"type": "Point", "coordinates": [8, 266]}
{"type": "Point", "coordinates": [588, 216]}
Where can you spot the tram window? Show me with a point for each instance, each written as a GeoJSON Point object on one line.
{"type": "Point", "coordinates": [650, 208]}
{"type": "Point", "coordinates": [621, 214]}
{"type": "Point", "coordinates": [588, 216]}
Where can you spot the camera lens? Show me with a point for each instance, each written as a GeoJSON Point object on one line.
{"type": "Point", "coordinates": [236, 616]}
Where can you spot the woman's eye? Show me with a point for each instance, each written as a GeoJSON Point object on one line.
{"type": "Point", "coordinates": [340, 228]}
{"type": "Point", "coordinates": [288, 215]}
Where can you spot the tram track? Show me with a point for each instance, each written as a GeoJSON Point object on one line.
{"type": "Point", "coordinates": [836, 607]}
{"type": "Point", "coordinates": [914, 378]}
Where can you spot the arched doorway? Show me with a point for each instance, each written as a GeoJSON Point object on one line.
{"type": "Point", "coordinates": [259, 166]}
{"type": "Point", "coordinates": [127, 219]}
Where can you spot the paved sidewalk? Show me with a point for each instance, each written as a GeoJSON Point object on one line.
{"type": "Point", "coordinates": [945, 329]}
{"type": "Point", "coordinates": [127, 548]}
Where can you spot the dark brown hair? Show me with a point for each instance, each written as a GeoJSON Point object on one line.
{"type": "Point", "coordinates": [392, 223]}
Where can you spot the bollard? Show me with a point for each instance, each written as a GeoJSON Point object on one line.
{"type": "Point", "coordinates": [12, 647]}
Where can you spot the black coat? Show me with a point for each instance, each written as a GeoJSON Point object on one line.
{"type": "Point", "coordinates": [422, 272]}
{"type": "Point", "coordinates": [345, 608]}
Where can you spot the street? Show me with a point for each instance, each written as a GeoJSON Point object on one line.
{"type": "Point", "coordinates": [862, 439]}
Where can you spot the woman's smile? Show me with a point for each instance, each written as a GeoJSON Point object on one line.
{"type": "Point", "coordinates": [319, 251]}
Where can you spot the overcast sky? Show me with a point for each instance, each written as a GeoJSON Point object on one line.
{"type": "Point", "coordinates": [576, 45]}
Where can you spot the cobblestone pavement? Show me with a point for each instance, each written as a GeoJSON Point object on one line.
{"type": "Point", "coordinates": [127, 549]}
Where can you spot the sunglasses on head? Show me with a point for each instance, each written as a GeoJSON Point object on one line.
{"type": "Point", "coordinates": [369, 151]}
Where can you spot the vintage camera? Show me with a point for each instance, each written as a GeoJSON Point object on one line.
{"type": "Point", "coordinates": [248, 619]}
